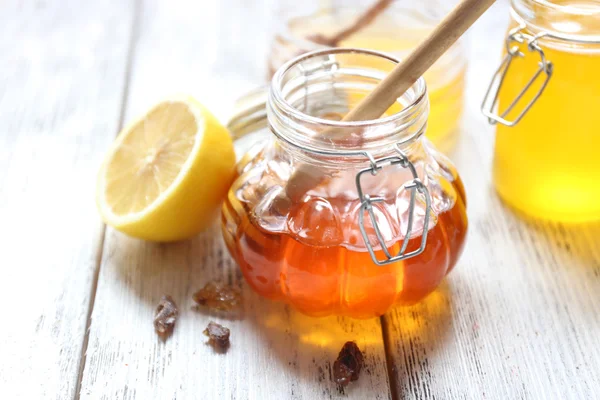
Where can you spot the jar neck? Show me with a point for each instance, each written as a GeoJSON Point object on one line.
{"type": "Point", "coordinates": [575, 21]}
{"type": "Point", "coordinates": [310, 94]}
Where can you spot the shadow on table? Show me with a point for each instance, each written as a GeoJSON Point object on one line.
{"type": "Point", "coordinates": [309, 346]}
{"type": "Point", "coordinates": [569, 247]}
{"type": "Point", "coordinates": [304, 347]}
{"type": "Point", "coordinates": [150, 270]}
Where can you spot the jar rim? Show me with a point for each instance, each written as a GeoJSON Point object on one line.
{"type": "Point", "coordinates": [577, 23]}
{"type": "Point", "coordinates": [276, 94]}
{"type": "Point", "coordinates": [567, 8]}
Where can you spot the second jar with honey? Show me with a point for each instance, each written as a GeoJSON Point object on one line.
{"type": "Point", "coordinates": [547, 91]}
{"type": "Point", "coordinates": [396, 29]}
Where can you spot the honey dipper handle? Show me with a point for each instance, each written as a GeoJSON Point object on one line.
{"type": "Point", "coordinates": [405, 74]}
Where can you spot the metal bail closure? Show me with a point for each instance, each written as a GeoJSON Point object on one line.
{"type": "Point", "coordinates": [516, 35]}
{"type": "Point", "coordinates": [414, 185]}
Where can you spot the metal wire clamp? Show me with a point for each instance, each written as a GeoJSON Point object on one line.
{"type": "Point", "coordinates": [415, 185]}
{"type": "Point", "coordinates": [546, 67]}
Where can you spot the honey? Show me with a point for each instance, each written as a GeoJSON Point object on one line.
{"type": "Point", "coordinates": [547, 165]}
{"type": "Point", "coordinates": [325, 251]}
{"type": "Point", "coordinates": [309, 269]}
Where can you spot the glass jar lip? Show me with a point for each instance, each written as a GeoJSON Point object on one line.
{"type": "Point", "coordinates": [568, 8]}
{"type": "Point", "coordinates": [275, 92]}
{"type": "Point", "coordinates": [527, 13]}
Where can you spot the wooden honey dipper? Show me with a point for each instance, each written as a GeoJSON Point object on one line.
{"type": "Point", "coordinates": [386, 93]}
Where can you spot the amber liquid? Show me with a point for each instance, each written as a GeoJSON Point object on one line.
{"type": "Point", "coordinates": [321, 280]}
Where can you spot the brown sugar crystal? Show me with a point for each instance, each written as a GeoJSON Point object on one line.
{"type": "Point", "coordinates": [165, 316]}
{"type": "Point", "coordinates": [218, 296]}
{"type": "Point", "coordinates": [347, 367]}
{"type": "Point", "coordinates": [218, 336]}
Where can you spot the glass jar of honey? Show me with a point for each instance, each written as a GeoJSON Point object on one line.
{"type": "Point", "coordinates": [547, 141]}
{"type": "Point", "coordinates": [335, 217]}
{"type": "Point", "coordinates": [396, 28]}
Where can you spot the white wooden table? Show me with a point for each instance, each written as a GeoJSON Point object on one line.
{"type": "Point", "coordinates": [517, 319]}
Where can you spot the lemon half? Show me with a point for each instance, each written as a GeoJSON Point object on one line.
{"type": "Point", "coordinates": [166, 173]}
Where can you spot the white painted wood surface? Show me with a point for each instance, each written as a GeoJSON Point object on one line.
{"type": "Point", "coordinates": [518, 317]}
{"type": "Point", "coordinates": [62, 73]}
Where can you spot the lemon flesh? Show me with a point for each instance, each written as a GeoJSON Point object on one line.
{"type": "Point", "coordinates": [166, 173]}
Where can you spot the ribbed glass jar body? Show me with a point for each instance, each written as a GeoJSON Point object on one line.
{"type": "Point", "coordinates": [305, 246]}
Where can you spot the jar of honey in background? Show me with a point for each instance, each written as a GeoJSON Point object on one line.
{"type": "Point", "coordinates": [397, 28]}
{"type": "Point", "coordinates": [383, 222]}
{"type": "Point", "coordinates": [547, 162]}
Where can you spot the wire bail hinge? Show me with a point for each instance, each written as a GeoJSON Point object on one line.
{"type": "Point", "coordinates": [415, 186]}
{"type": "Point", "coordinates": [546, 67]}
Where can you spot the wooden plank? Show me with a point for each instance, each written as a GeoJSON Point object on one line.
{"type": "Point", "coordinates": [276, 353]}
{"type": "Point", "coordinates": [518, 317]}
{"type": "Point", "coordinates": [61, 82]}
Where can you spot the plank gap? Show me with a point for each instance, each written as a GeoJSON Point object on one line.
{"type": "Point", "coordinates": [135, 22]}
{"type": "Point", "coordinates": [391, 370]}
{"type": "Point", "coordinates": [88, 321]}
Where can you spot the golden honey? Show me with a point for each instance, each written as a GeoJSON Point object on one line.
{"type": "Point", "coordinates": [547, 165]}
